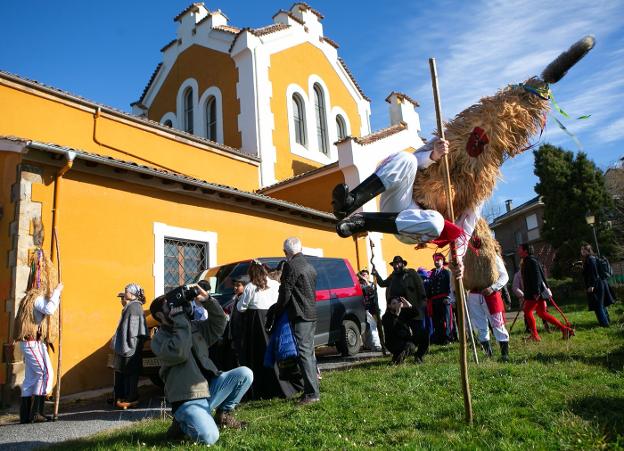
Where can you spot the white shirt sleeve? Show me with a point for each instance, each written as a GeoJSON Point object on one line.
{"type": "Point", "coordinates": [423, 154]}
{"type": "Point", "coordinates": [467, 221]}
{"type": "Point", "coordinates": [503, 277]}
{"type": "Point", "coordinates": [246, 298]}
{"type": "Point", "coordinates": [49, 307]}
{"type": "Point", "coordinates": [517, 285]}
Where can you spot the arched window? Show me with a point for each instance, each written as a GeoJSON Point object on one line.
{"type": "Point", "coordinates": [211, 118]}
{"type": "Point", "coordinates": [299, 119]}
{"type": "Point", "coordinates": [188, 110]}
{"type": "Point", "coordinates": [341, 127]}
{"type": "Point", "coordinates": [168, 123]}
{"type": "Point", "coordinates": [321, 119]}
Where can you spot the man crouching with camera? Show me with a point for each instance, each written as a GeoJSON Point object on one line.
{"type": "Point", "coordinates": [193, 384]}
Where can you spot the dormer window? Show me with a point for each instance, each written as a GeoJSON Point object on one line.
{"type": "Point", "coordinates": [188, 110]}
{"type": "Point", "coordinates": [168, 123]}
{"type": "Point", "coordinates": [299, 119]}
{"type": "Point", "coordinates": [321, 119]}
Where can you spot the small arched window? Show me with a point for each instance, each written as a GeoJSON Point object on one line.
{"type": "Point", "coordinates": [188, 110]}
{"type": "Point", "coordinates": [211, 118]}
{"type": "Point", "coordinates": [168, 123]}
{"type": "Point", "coordinates": [299, 119]}
{"type": "Point", "coordinates": [341, 127]}
{"type": "Point", "coordinates": [321, 119]}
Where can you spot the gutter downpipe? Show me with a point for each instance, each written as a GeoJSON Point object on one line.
{"type": "Point", "coordinates": [55, 259]}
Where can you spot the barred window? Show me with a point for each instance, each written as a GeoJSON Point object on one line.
{"type": "Point", "coordinates": [184, 261]}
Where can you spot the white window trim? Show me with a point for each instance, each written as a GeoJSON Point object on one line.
{"type": "Point", "coordinates": [295, 147]}
{"type": "Point", "coordinates": [312, 251]}
{"type": "Point", "coordinates": [216, 92]}
{"type": "Point", "coordinates": [169, 117]}
{"type": "Point", "coordinates": [188, 83]}
{"type": "Point", "coordinates": [162, 231]}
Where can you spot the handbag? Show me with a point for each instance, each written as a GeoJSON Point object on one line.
{"type": "Point", "coordinates": [545, 292]}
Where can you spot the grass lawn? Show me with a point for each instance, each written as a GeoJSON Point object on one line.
{"type": "Point", "coordinates": [552, 395]}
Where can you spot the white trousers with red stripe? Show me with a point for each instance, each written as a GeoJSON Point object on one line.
{"type": "Point", "coordinates": [38, 377]}
{"type": "Point", "coordinates": [480, 316]}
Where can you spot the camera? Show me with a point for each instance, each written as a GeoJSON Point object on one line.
{"type": "Point", "coordinates": [181, 296]}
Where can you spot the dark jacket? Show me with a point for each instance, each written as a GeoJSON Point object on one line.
{"type": "Point", "coordinates": [408, 284]}
{"type": "Point", "coordinates": [439, 285]}
{"type": "Point", "coordinates": [297, 291]}
{"type": "Point", "coordinates": [183, 352]}
{"type": "Point", "coordinates": [532, 280]}
{"type": "Point", "coordinates": [397, 330]}
{"type": "Point", "coordinates": [601, 296]}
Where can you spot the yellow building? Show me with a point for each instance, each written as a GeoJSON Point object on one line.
{"type": "Point", "coordinates": [234, 145]}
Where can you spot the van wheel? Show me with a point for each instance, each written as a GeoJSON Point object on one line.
{"type": "Point", "coordinates": [350, 339]}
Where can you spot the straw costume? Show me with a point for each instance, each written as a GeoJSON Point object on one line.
{"type": "Point", "coordinates": [413, 202]}
{"type": "Point", "coordinates": [36, 328]}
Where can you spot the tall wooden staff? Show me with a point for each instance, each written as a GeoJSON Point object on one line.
{"type": "Point", "coordinates": [459, 284]}
{"type": "Point", "coordinates": [57, 394]}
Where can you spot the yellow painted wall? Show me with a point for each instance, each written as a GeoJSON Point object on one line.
{"type": "Point", "coordinates": [106, 236]}
{"type": "Point", "coordinates": [26, 113]}
{"type": "Point", "coordinates": [8, 177]}
{"type": "Point", "coordinates": [315, 193]}
{"type": "Point", "coordinates": [295, 65]}
{"type": "Point", "coordinates": [209, 68]}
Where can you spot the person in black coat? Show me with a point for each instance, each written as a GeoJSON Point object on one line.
{"type": "Point", "coordinates": [407, 284]}
{"type": "Point", "coordinates": [297, 296]}
{"type": "Point", "coordinates": [536, 292]}
{"type": "Point", "coordinates": [599, 295]}
{"type": "Point", "coordinates": [403, 331]}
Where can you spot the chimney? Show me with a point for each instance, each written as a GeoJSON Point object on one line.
{"type": "Point", "coordinates": [310, 17]}
{"type": "Point", "coordinates": [508, 206]}
{"type": "Point", "coordinates": [403, 109]}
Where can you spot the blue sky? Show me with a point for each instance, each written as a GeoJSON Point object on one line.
{"type": "Point", "coordinates": [106, 51]}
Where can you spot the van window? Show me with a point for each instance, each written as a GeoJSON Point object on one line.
{"type": "Point", "coordinates": [321, 273]}
{"type": "Point", "coordinates": [338, 276]}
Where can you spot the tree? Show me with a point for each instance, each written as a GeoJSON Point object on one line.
{"type": "Point", "coordinates": [570, 188]}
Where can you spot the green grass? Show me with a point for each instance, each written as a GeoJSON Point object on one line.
{"type": "Point", "coordinates": [552, 395]}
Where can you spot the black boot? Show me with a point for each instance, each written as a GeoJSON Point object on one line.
{"type": "Point", "coordinates": [367, 222]}
{"type": "Point", "coordinates": [504, 347]}
{"type": "Point", "coordinates": [487, 348]}
{"type": "Point", "coordinates": [25, 408]}
{"type": "Point", "coordinates": [345, 202]}
{"type": "Point", "coordinates": [36, 414]}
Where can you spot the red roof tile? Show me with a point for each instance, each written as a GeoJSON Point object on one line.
{"type": "Point", "coordinates": [344, 66]}
{"type": "Point", "coordinates": [305, 6]}
{"type": "Point", "coordinates": [402, 96]}
{"type": "Point", "coordinates": [193, 6]}
{"type": "Point", "coordinates": [289, 14]}
{"type": "Point", "coordinates": [380, 134]}
{"type": "Point", "coordinates": [329, 41]}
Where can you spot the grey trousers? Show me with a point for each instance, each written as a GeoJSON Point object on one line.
{"type": "Point", "coordinates": [304, 334]}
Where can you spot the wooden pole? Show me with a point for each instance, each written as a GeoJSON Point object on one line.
{"type": "Point", "coordinates": [459, 284]}
{"type": "Point", "coordinates": [57, 394]}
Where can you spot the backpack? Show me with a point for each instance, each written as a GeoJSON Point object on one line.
{"type": "Point", "coordinates": [604, 267]}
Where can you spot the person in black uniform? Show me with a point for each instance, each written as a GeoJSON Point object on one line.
{"type": "Point", "coordinates": [439, 296]}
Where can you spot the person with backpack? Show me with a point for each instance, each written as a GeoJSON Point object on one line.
{"type": "Point", "coordinates": [595, 274]}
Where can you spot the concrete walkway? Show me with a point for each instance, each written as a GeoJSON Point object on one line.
{"type": "Point", "coordinates": [86, 418]}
